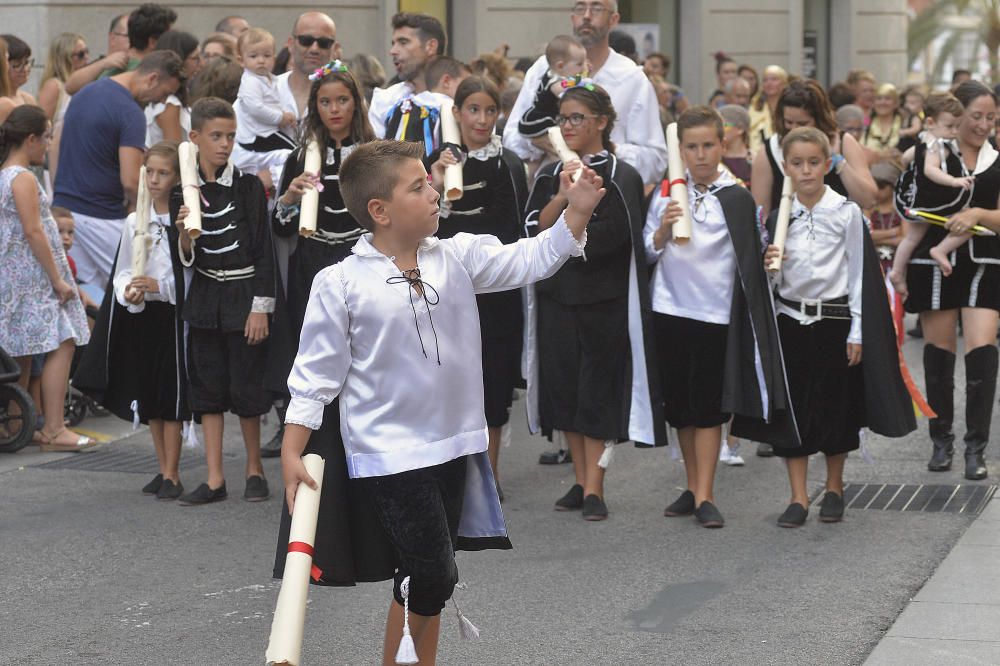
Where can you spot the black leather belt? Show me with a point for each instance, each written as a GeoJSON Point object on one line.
{"type": "Point", "coordinates": [817, 309]}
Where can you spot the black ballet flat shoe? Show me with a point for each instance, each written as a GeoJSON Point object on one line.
{"type": "Point", "coordinates": [203, 495]}
{"type": "Point", "coordinates": [594, 508]}
{"type": "Point", "coordinates": [831, 509]}
{"type": "Point", "coordinates": [709, 516]}
{"type": "Point", "coordinates": [765, 450]}
{"type": "Point", "coordinates": [169, 491]}
{"type": "Point", "coordinates": [572, 500]}
{"type": "Point", "coordinates": [682, 506]}
{"type": "Point", "coordinates": [256, 489]}
{"type": "Point", "coordinates": [555, 457]}
{"type": "Point", "coordinates": [794, 516]}
{"type": "Point", "coordinates": [153, 486]}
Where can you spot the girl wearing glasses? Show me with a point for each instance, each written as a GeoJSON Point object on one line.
{"type": "Point", "coordinates": [591, 315]}
{"type": "Point", "coordinates": [16, 64]}
{"type": "Point", "coordinates": [493, 199]}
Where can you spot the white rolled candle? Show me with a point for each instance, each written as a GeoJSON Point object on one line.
{"type": "Point", "coordinates": [309, 206]}
{"type": "Point", "coordinates": [450, 133]}
{"type": "Point", "coordinates": [187, 153]}
{"type": "Point", "coordinates": [781, 224]}
{"type": "Point", "coordinates": [285, 644]}
{"type": "Point", "coordinates": [563, 151]}
{"type": "Point", "coordinates": [140, 237]}
{"type": "Point", "coordinates": [678, 186]}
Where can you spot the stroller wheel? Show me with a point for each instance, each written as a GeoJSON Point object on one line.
{"type": "Point", "coordinates": [17, 418]}
{"type": "Point", "coordinates": [75, 408]}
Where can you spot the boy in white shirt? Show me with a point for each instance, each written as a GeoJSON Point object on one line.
{"type": "Point", "coordinates": [393, 331]}
{"type": "Point", "coordinates": [259, 118]}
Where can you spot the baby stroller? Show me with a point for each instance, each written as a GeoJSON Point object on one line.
{"type": "Point", "coordinates": [17, 411]}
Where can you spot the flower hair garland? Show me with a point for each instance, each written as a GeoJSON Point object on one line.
{"type": "Point", "coordinates": [328, 68]}
{"type": "Point", "coordinates": [578, 81]}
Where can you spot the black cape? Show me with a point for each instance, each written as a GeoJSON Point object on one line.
{"type": "Point", "coordinates": [888, 407]}
{"type": "Point", "coordinates": [110, 348]}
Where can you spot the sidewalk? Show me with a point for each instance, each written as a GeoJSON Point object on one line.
{"type": "Point", "coordinates": [105, 429]}
{"type": "Point", "coordinates": [955, 618]}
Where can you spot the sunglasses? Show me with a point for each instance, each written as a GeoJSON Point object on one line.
{"type": "Point", "coordinates": [308, 40]}
{"type": "Point", "coordinates": [80, 55]}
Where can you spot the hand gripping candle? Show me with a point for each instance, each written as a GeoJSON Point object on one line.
{"type": "Point", "coordinates": [309, 207]}
{"type": "Point", "coordinates": [563, 151]}
{"type": "Point", "coordinates": [187, 152]}
{"type": "Point", "coordinates": [450, 134]}
{"type": "Point", "coordinates": [781, 224]}
{"type": "Point", "coordinates": [140, 238]}
{"type": "Point", "coordinates": [285, 644]}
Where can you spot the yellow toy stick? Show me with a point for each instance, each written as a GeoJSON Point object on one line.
{"type": "Point", "coordinates": [940, 221]}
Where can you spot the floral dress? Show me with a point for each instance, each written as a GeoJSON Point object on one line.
{"type": "Point", "coordinates": [32, 321]}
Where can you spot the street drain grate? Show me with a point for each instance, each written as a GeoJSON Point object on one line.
{"type": "Point", "coordinates": [118, 460]}
{"type": "Point", "coordinates": [967, 499]}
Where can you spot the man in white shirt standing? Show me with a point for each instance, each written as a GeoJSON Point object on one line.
{"type": "Point", "coordinates": [416, 40]}
{"type": "Point", "coordinates": [637, 135]}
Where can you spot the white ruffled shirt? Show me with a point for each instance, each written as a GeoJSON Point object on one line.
{"type": "Point", "coordinates": [154, 134]}
{"type": "Point", "coordinates": [824, 258]}
{"type": "Point", "coordinates": [258, 107]}
{"type": "Point", "coordinates": [158, 264]}
{"type": "Point", "coordinates": [694, 280]}
{"type": "Point", "coordinates": [362, 340]}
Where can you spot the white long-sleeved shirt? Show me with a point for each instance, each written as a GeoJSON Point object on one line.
{"type": "Point", "coordinates": [258, 107]}
{"type": "Point", "coordinates": [251, 162]}
{"type": "Point", "coordinates": [694, 280]}
{"type": "Point", "coordinates": [637, 134]}
{"type": "Point", "coordinates": [158, 264]}
{"type": "Point", "coordinates": [824, 258]}
{"type": "Point", "coordinates": [400, 407]}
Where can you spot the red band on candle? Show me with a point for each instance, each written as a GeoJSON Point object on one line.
{"type": "Point", "coordinates": [678, 181]}
{"type": "Point", "coordinates": [300, 547]}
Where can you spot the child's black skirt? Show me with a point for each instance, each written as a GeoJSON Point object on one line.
{"type": "Point", "coordinates": [692, 356]}
{"type": "Point", "coordinates": [583, 366]}
{"type": "Point", "coordinates": [827, 395]}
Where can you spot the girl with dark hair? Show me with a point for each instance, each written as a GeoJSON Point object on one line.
{"type": "Point", "coordinates": [493, 200]}
{"type": "Point", "coordinates": [39, 306]}
{"type": "Point", "coordinates": [972, 291]}
{"type": "Point", "coordinates": [587, 371]}
{"type": "Point", "coordinates": [135, 365]}
{"type": "Point", "coordinates": [16, 62]}
{"type": "Point", "coordinates": [804, 104]}
{"type": "Point", "coordinates": [725, 70]}
{"type": "Point", "coordinates": [337, 119]}
{"type": "Point", "coordinates": [170, 120]}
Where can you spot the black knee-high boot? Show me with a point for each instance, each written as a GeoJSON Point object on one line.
{"type": "Point", "coordinates": [939, 376]}
{"type": "Point", "coordinates": [980, 390]}
{"type": "Point", "coordinates": [272, 449]}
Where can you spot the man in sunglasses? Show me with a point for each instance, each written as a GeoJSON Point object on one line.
{"type": "Point", "coordinates": [416, 40]}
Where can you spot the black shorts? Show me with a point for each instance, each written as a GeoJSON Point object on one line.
{"type": "Point", "coordinates": [226, 374]}
{"type": "Point", "coordinates": [827, 396]}
{"type": "Point", "coordinates": [970, 285]}
{"type": "Point", "coordinates": [692, 358]}
{"type": "Point", "coordinates": [420, 511]}
{"type": "Point", "coordinates": [583, 362]}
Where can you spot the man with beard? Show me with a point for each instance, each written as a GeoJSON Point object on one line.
{"type": "Point", "coordinates": [416, 40]}
{"type": "Point", "coordinates": [637, 135]}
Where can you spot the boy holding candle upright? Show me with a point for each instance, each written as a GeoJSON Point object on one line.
{"type": "Point", "coordinates": [715, 332]}
{"type": "Point", "coordinates": [832, 313]}
{"type": "Point", "coordinates": [230, 296]}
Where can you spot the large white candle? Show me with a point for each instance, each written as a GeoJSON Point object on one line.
{"type": "Point", "coordinates": [309, 207]}
{"type": "Point", "coordinates": [285, 644]}
{"type": "Point", "coordinates": [140, 238]}
{"type": "Point", "coordinates": [781, 224]}
{"type": "Point", "coordinates": [450, 133]}
{"type": "Point", "coordinates": [563, 151]}
{"type": "Point", "coordinates": [187, 152]}
{"type": "Point", "coordinates": [678, 186]}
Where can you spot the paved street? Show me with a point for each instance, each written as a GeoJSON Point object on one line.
{"type": "Point", "coordinates": [95, 573]}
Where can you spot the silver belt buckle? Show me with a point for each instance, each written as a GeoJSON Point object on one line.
{"type": "Point", "coordinates": [814, 302]}
{"type": "Point", "coordinates": [220, 275]}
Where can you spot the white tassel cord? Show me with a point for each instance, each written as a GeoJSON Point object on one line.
{"type": "Point", "coordinates": [505, 436]}
{"type": "Point", "coordinates": [135, 414]}
{"type": "Point", "coordinates": [607, 455]}
{"type": "Point", "coordinates": [866, 453]}
{"type": "Point", "coordinates": [674, 444]}
{"type": "Point", "coordinates": [190, 437]}
{"type": "Point", "coordinates": [407, 652]}
{"type": "Point", "coordinates": [468, 630]}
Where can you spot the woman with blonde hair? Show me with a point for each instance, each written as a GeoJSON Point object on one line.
{"type": "Point", "coordinates": [884, 124]}
{"type": "Point", "coordinates": [762, 106]}
{"type": "Point", "coordinates": [67, 53]}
